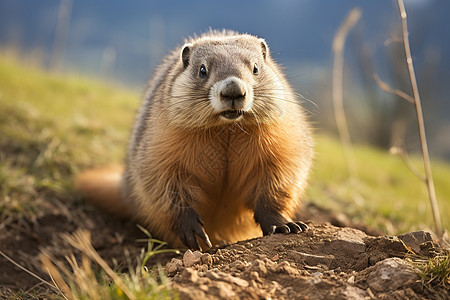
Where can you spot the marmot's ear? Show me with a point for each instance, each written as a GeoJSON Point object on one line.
{"type": "Point", "coordinates": [186, 54]}
{"type": "Point", "coordinates": [264, 48]}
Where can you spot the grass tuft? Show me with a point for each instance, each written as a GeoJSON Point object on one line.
{"type": "Point", "coordinates": [435, 271]}
{"type": "Point", "coordinates": [93, 279]}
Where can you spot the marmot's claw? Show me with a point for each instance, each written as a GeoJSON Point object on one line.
{"type": "Point", "coordinates": [282, 229]}
{"type": "Point", "coordinates": [202, 234]}
{"type": "Point", "coordinates": [191, 228]}
{"type": "Point", "coordinates": [290, 227]}
{"type": "Point", "coordinates": [302, 225]}
{"type": "Point", "coordinates": [190, 238]}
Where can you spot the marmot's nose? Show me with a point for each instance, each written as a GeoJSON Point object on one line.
{"type": "Point", "coordinates": [233, 92]}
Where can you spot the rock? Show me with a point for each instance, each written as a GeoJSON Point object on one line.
{"type": "Point", "coordinates": [348, 240]}
{"type": "Point", "coordinates": [286, 268]}
{"type": "Point", "coordinates": [351, 279]}
{"type": "Point", "coordinates": [259, 266]}
{"type": "Point", "coordinates": [191, 258]}
{"type": "Point", "coordinates": [270, 265]}
{"type": "Point", "coordinates": [316, 278]}
{"type": "Point", "coordinates": [190, 275]}
{"type": "Point", "coordinates": [203, 268]}
{"type": "Point", "coordinates": [206, 259]}
{"type": "Point", "coordinates": [354, 293]}
{"type": "Point", "coordinates": [389, 275]}
{"type": "Point", "coordinates": [174, 265]}
{"type": "Point", "coordinates": [414, 240]}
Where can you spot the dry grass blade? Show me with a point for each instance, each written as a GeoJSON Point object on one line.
{"type": "Point", "coordinates": [57, 279]}
{"type": "Point", "coordinates": [27, 271]}
{"type": "Point", "coordinates": [338, 69]}
{"type": "Point", "coordinates": [82, 241]}
{"type": "Point", "coordinates": [422, 134]}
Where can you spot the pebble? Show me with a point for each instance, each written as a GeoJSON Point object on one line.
{"type": "Point", "coordinates": [191, 258]}
{"type": "Point", "coordinates": [174, 265]}
{"type": "Point", "coordinates": [351, 280]}
{"type": "Point", "coordinates": [206, 259]}
{"type": "Point", "coordinates": [189, 274]}
{"type": "Point", "coordinates": [316, 278]}
{"type": "Point", "coordinates": [202, 269]}
{"type": "Point", "coordinates": [259, 266]}
{"type": "Point", "coordinates": [286, 268]}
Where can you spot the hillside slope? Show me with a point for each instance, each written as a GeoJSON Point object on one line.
{"type": "Point", "coordinates": [51, 127]}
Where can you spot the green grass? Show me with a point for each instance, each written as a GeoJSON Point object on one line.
{"type": "Point", "coordinates": [50, 127]}
{"type": "Point", "coordinates": [387, 195]}
{"type": "Point", "coordinates": [435, 271]}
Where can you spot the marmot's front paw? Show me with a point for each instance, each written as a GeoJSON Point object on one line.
{"type": "Point", "coordinates": [190, 226]}
{"type": "Point", "coordinates": [290, 227]}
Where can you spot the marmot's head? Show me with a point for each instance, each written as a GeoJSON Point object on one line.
{"type": "Point", "coordinates": [225, 77]}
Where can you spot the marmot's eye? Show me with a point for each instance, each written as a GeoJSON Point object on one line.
{"type": "Point", "coordinates": [255, 69]}
{"type": "Point", "coordinates": [202, 72]}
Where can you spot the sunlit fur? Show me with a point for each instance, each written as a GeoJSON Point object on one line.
{"type": "Point", "coordinates": [182, 147]}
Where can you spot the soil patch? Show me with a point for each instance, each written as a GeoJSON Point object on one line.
{"type": "Point", "coordinates": [325, 262]}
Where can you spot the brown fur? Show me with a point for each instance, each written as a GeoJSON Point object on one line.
{"type": "Point", "coordinates": [184, 157]}
{"type": "Point", "coordinates": [102, 187]}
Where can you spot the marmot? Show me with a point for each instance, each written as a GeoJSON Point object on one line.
{"type": "Point", "coordinates": [220, 150]}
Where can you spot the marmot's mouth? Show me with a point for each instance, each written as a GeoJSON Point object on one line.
{"type": "Point", "coordinates": [232, 114]}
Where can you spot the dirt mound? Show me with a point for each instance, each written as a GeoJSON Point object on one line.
{"type": "Point", "coordinates": [326, 262]}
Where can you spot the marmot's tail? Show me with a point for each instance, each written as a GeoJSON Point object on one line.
{"type": "Point", "coordinates": [101, 187]}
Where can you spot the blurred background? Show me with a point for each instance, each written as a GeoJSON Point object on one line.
{"type": "Point", "coordinates": [121, 42]}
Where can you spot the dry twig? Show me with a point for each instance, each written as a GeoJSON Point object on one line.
{"type": "Point", "coordinates": [27, 271]}
{"type": "Point", "coordinates": [420, 121]}
{"type": "Point", "coordinates": [338, 70]}
{"type": "Point", "coordinates": [385, 87]}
